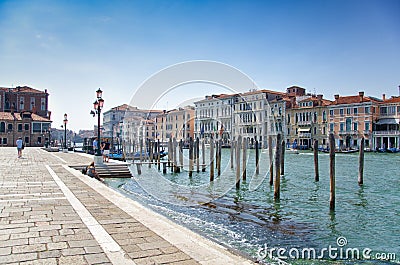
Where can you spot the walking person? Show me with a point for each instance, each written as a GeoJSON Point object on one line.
{"type": "Point", "coordinates": [105, 146]}
{"type": "Point", "coordinates": [20, 146]}
{"type": "Point", "coordinates": [94, 145]}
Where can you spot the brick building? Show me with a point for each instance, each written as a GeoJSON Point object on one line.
{"type": "Point", "coordinates": [24, 113]}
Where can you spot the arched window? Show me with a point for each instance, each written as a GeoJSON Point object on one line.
{"type": "Point", "coordinates": [2, 126]}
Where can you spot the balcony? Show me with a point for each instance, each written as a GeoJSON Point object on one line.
{"type": "Point", "coordinates": [304, 123]}
{"type": "Point", "coordinates": [304, 135]}
{"type": "Point", "coordinates": [351, 132]}
{"type": "Point", "coordinates": [390, 132]}
{"type": "Point", "coordinates": [367, 132]}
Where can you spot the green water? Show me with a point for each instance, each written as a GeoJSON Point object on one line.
{"type": "Point", "coordinates": [247, 219]}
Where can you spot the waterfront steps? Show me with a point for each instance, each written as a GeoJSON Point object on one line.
{"type": "Point", "coordinates": [52, 214]}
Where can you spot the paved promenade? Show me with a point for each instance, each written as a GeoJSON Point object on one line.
{"type": "Point", "coordinates": [52, 214]}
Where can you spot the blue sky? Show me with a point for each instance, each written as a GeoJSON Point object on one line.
{"type": "Point", "coordinates": [73, 47]}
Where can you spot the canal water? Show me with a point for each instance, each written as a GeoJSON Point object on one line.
{"type": "Point", "coordinates": [250, 221]}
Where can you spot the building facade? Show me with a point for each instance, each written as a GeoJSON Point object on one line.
{"type": "Point", "coordinates": [24, 113]}
{"type": "Point", "coordinates": [176, 123]}
{"type": "Point", "coordinates": [352, 117]}
{"type": "Point", "coordinates": [307, 119]}
{"type": "Point", "coordinates": [386, 131]}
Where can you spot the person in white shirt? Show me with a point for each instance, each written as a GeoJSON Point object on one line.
{"type": "Point", "coordinates": [20, 146]}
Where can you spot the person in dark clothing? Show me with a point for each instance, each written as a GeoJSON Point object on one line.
{"type": "Point", "coordinates": [91, 171]}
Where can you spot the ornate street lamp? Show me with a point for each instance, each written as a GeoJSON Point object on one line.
{"type": "Point", "coordinates": [98, 105]}
{"type": "Point", "coordinates": [65, 131]}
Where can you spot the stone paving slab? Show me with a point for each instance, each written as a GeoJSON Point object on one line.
{"type": "Point", "coordinates": [52, 214]}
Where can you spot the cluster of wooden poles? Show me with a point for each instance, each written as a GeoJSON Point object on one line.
{"type": "Point", "coordinates": [238, 150]}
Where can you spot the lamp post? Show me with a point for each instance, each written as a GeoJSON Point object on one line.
{"type": "Point", "coordinates": [98, 105]}
{"type": "Point", "coordinates": [65, 132]}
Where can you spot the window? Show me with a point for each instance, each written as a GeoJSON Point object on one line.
{"type": "Point", "coordinates": [21, 103]}
{"type": "Point", "coordinates": [331, 125]}
{"type": "Point", "coordinates": [355, 111]}
{"type": "Point", "coordinates": [32, 105]}
{"type": "Point", "coordinates": [367, 110]}
{"type": "Point", "coordinates": [341, 126]}
{"type": "Point", "coordinates": [367, 126]}
{"type": "Point", "coordinates": [324, 116]}
{"type": "Point", "coordinates": [315, 130]}
{"type": "Point", "coordinates": [341, 112]}
{"type": "Point", "coordinates": [4, 141]}
{"type": "Point", "coordinates": [348, 111]}
{"type": "Point", "coordinates": [348, 124]}
{"type": "Point", "coordinates": [36, 127]}
{"type": "Point", "coordinates": [2, 126]}
{"type": "Point", "coordinates": [26, 127]}
{"type": "Point", "coordinates": [20, 127]}
{"type": "Point", "coordinates": [26, 139]}
{"type": "Point", "coordinates": [355, 126]}
{"type": "Point", "coordinates": [331, 112]}
{"type": "Point", "coordinates": [42, 104]}
{"type": "Point", "coordinates": [315, 117]}
{"type": "Point", "coordinates": [9, 127]}
{"type": "Point", "coordinates": [39, 140]}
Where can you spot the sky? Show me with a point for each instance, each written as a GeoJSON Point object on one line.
{"type": "Point", "coordinates": [72, 48]}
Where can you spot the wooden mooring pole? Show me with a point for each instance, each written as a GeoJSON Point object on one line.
{"type": "Point", "coordinates": [361, 164]}
{"type": "Point", "coordinates": [244, 158]}
{"type": "Point", "coordinates": [175, 145]}
{"type": "Point", "coordinates": [332, 171]}
{"type": "Point", "coordinates": [150, 152]}
{"type": "Point", "coordinates": [181, 155]}
{"type": "Point", "coordinates": [232, 151]}
{"type": "Point", "coordinates": [158, 155]}
{"type": "Point", "coordinates": [169, 151]}
{"type": "Point", "coordinates": [277, 183]}
{"type": "Point", "coordinates": [271, 164]}
{"type": "Point", "coordinates": [198, 154]}
{"type": "Point", "coordinates": [316, 169]}
{"type": "Point", "coordinates": [211, 159]}
{"type": "Point", "coordinates": [203, 154]}
{"type": "Point", "coordinates": [191, 157]}
{"type": "Point", "coordinates": [238, 144]}
{"type": "Point", "coordinates": [219, 157]}
{"type": "Point", "coordinates": [257, 159]}
{"type": "Point", "coordinates": [141, 150]}
{"type": "Point", "coordinates": [283, 148]}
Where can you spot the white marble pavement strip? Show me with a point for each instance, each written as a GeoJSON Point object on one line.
{"type": "Point", "coordinates": [199, 248]}
{"type": "Point", "coordinates": [107, 243]}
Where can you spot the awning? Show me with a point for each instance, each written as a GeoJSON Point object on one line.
{"type": "Point", "coordinates": [304, 129]}
{"type": "Point", "coordinates": [388, 121]}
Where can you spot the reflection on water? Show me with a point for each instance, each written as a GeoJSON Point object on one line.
{"type": "Point", "coordinates": [246, 219]}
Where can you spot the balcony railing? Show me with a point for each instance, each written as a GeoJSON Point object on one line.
{"type": "Point", "coordinates": [367, 132]}
{"type": "Point", "coordinates": [304, 135]}
{"type": "Point", "coordinates": [351, 132]}
{"type": "Point", "coordinates": [304, 123]}
{"type": "Point", "coordinates": [390, 132]}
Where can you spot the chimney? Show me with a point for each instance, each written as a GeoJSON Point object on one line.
{"type": "Point", "coordinates": [361, 94]}
{"type": "Point", "coordinates": [336, 98]}
{"type": "Point", "coordinates": [383, 97]}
